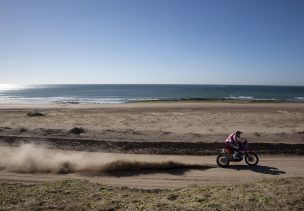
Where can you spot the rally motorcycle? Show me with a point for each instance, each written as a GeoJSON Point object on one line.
{"type": "Point", "coordinates": [225, 156]}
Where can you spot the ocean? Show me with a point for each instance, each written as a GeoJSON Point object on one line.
{"type": "Point", "coordinates": [98, 93]}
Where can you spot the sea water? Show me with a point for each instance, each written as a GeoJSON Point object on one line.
{"type": "Point", "coordinates": [98, 93]}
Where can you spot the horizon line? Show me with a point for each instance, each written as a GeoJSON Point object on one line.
{"type": "Point", "coordinates": [182, 84]}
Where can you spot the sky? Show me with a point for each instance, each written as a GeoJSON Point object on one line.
{"type": "Point", "coordinates": [254, 42]}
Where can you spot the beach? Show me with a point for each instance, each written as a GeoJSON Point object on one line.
{"type": "Point", "coordinates": [195, 128]}
{"type": "Point", "coordinates": [147, 145]}
{"type": "Point", "coordinates": [168, 121]}
{"type": "Point", "coordinates": [149, 149]}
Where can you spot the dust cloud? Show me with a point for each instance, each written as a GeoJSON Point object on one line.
{"type": "Point", "coordinates": [30, 158]}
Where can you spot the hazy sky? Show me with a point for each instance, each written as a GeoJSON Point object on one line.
{"type": "Point", "coordinates": [152, 41]}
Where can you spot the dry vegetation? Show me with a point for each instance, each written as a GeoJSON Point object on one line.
{"type": "Point", "coordinates": [282, 194]}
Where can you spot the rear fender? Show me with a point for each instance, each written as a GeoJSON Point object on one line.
{"type": "Point", "coordinates": [250, 150]}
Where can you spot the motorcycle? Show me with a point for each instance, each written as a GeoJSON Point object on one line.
{"type": "Point", "coordinates": [225, 156]}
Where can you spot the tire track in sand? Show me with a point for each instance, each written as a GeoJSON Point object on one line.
{"type": "Point", "coordinates": [196, 170]}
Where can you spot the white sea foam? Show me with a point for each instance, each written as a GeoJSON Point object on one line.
{"type": "Point", "coordinates": [299, 98]}
{"type": "Point", "coordinates": [248, 98]}
{"type": "Point", "coordinates": [240, 97]}
{"type": "Point", "coordinates": [71, 100]}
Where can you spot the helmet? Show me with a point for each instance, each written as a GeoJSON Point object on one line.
{"type": "Point", "coordinates": [238, 133]}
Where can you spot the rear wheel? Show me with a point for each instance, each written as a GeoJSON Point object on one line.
{"type": "Point", "coordinates": [222, 160]}
{"type": "Point", "coordinates": [251, 159]}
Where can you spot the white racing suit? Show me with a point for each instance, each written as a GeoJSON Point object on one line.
{"type": "Point", "coordinates": [232, 143]}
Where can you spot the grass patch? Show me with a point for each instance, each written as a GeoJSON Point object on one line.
{"type": "Point", "coordinates": [75, 194]}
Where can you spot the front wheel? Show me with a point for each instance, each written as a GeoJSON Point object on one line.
{"type": "Point", "coordinates": [222, 160]}
{"type": "Point", "coordinates": [251, 159]}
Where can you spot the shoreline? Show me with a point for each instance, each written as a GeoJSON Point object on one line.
{"type": "Point", "coordinates": [136, 101]}
{"type": "Point", "coordinates": [146, 103]}
{"type": "Point", "coordinates": [223, 100]}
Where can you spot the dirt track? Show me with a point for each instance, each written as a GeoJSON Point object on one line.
{"type": "Point", "coordinates": [198, 170]}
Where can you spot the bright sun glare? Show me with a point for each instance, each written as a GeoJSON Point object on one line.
{"type": "Point", "coordinates": [7, 87]}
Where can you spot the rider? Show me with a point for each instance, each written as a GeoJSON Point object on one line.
{"type": "Point", "coordinates": [232, 142]}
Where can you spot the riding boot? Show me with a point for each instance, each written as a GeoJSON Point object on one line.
{"type": "Point", "coordinates": [235, 155]}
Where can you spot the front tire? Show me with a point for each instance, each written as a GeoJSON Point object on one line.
{"type": "Point", "coordinates": [222, 160]}
{"type": "Point", "coordinates": [251, 159]}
